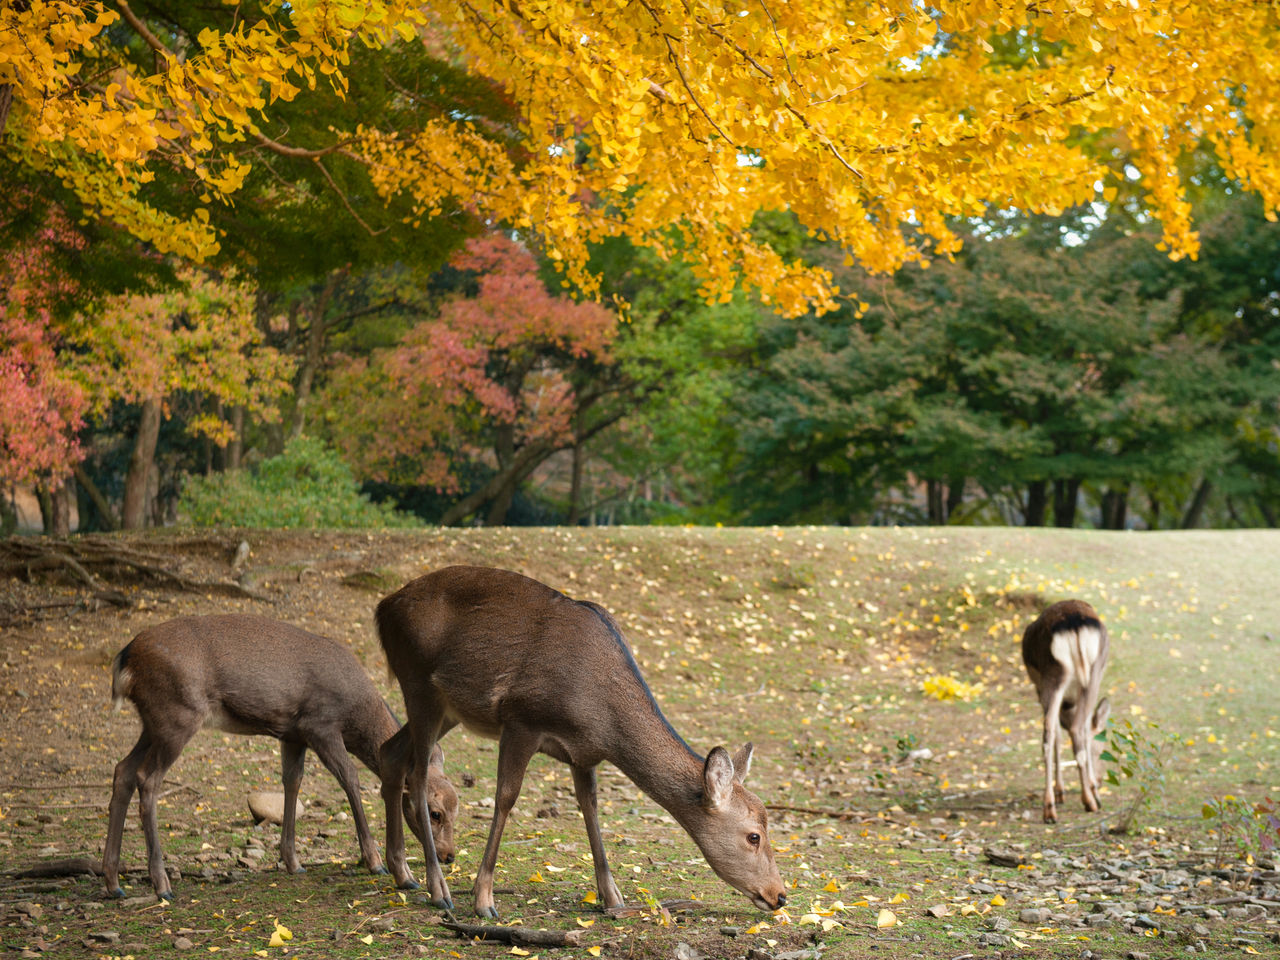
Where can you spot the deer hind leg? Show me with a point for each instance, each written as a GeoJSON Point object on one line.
{"type": "Point", "coordinates": [1082, 746]}
{"type": "Point", "coordinates": [516, 748]}
{"type": "Point", "coordinates": [419, 794]}
{"type": "Point", "coordinates": [584, 786]}
{"type": "Point", "coordinates": [123, 785]}
{"type": "Point", "coordinates": [1052, 749]}
{"type": "Point", "coordinates": [151, 773]}
{"type": "Point", "coordinates": [293, 760]}
{"type": "Point", "coordinates": [393, 759]}
{"type": "Point", "coordinates": [336, 760]}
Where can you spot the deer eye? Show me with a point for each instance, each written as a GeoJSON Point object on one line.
{"type": "Point", "coordinates": [753, 839]}
{"type": "Point", "coordinates": [435, 816]}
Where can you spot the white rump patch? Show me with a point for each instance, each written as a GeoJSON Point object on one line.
{"type": "Point", "coordinates": [121, 682]}
{"type": "Point", "coordinates": [1077, 652]}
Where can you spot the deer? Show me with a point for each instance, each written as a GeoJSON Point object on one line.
{"type": "Point", "coordinates": [246, 674]}
{"type": "Point", "coordinates": [512, 659]}
{"type": "Point", "coordinates": [1065, 652]}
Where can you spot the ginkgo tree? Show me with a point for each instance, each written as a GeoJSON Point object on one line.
{"type": "Point", "coordinates": [672, 124]}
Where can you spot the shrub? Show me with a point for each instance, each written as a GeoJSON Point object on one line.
{"type": "Point", "coordinates": [306, 486]}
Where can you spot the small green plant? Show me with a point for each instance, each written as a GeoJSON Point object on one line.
{"type": "Point", "coordinates": [1248, 829]}
{"type": "Point", "coordinates": [306, 486]}
{"type": "Point", "coordinates": [1139, 755]}
{"type": "Point", "coordinates": [884, 780]}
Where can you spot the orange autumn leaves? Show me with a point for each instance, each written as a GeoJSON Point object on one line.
{"type": "Point", "coordinates": [675, 125]}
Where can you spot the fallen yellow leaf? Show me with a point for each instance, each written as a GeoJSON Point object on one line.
{"type": "Point", "coordinates": [516, 951]}
{"type": "Point", "coordinates": [584, 923]}
{"type": "Point", "coordinates": [536, 878]}
{"type": "Point", "coordinates": [594, 951]}
{"type": "Point", "coordinates": [887, 918]}
{"type": "Point", "coordinates": [998, 901]}
{"type": "Point", "coordinates": [367, 939]}
{"type": "Point", "coordinates": [590, 897]}
{"type": "Point", "coordinates": [900, 898]}
{"type": "Point", "coordinates": [832, 887]}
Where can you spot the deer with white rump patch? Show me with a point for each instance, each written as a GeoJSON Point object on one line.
{"type": "Point", "coordinates": [251, 675]}
{"type": "Point", "coordinates": [512, 659]}
{"type": "Point", "coordinates": [1065, 652]}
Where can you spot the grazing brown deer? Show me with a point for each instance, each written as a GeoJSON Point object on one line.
{"type": "Point", "coordinates": [1065, 651]}
{"type": "Point", "coordinates": [252, 675]}
{"type": "Point", "coordinates": [512, 659]}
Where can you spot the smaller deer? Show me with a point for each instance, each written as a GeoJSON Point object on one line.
{"type": "Point", "coordinates": [512, 659]}
{"type": "Point", "coordinates": [1065, 652]}
{"type": "Point", "coordinates": [251, 675]}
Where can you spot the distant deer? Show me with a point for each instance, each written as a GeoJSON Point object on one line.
{"type": "Point", "coordinates": [252, 675]}
{"type": "Point", "coordinates": [1065, 651]}
{"type": "Point", "coordinates": [512, 659]}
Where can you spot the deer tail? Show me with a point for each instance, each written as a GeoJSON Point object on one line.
{"type": "Point", "coordinates": [121, 679]}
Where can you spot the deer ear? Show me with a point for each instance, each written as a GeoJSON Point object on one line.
{"type": "Point", "coordinates": [742, 762]}
{"type": "Point", "coordinates": [1101, 713]}
{"type": "Point", "coordinates": [436, 761]}
{"type": "Point", "coordinates": [717, 778]}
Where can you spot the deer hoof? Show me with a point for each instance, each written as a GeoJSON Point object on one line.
{"type": "Point", "coordinates": [409, 884]}
{"type": "Point", "coordinates": [167, 896]}
{"type": "Point", "coordinates": [445, 903]}
{"type": "Point", "coordinates": [380, 870]}
{"type": "Point", "coordinates": [489, 912]}
{"type": "Point", "coordinates": [118, 893]}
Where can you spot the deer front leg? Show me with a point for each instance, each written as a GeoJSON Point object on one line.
{"type": "Point", "coordinates": [393, 759]}
{"type": "Point", "coordinates": [334, 756]}
{"type": "Point", "coordinates": [515, 749]}
{"type": "Point", "coordinates": [293, 760]}
{"type": "Point", "coordinates": [584, 787]}
{"type": "Point", "coordinates": [123, 785]}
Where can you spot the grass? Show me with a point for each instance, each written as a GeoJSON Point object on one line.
{"type": "Point", "coordinates": [815, 643]}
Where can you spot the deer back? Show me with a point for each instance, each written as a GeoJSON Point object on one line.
{"type": "Point", "coordinates": [1066, 646]}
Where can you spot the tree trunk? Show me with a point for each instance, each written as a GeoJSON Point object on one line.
{"type": "Point", "coordinates": [62, 507]}
{"type": "Point", "coordinates": [1195, 511]}
{"type": "Point", "coordinates": [1037, 503]}
{"type": "Point", "coordinates": [105, 513]}
{"type": "Point", "coordinates": [8, 513]}
{"type": "Point", "coordinates": [524, 463]}
{"type": "Point", "coordinates": [575, 485]}
{"type": "Point", "coordinates": [955, 496]}
{"type": "Point", "coordinates": [133, 513]}
{"type": "Point", "coordinates": [44, 497]}
{"type": "Point", "coordinates": [234, 454]}
{"type": "Point", "coordinates": [1065, 495]}
{"type": "Point", "coordinates": [310, 365]}
{"type": "Point", "coordinates": [933, 498]}
{"type": "Point", "coordinates": [1115, 507]}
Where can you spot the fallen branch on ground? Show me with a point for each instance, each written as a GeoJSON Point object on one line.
{"type": "Point", "coordinates": [516, 936]}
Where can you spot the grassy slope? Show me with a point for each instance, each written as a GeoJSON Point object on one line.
{"type": "Point", "coordinates": [813, 642]}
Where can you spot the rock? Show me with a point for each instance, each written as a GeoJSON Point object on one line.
{"type": "Point", "coordinates": [269, 806]}
{"type": "Point", "coordinates": [104, 936]}
{"type": "Point", "coordinates": [143, 901]}
{"type": "Point", "coordinates": [992, 940]}
{"type": "Point", "coordinates": [1034, 915]}
{"type": "Point", "coordinates": [254, 853]}
{"type": "Point", "coordinates": [383, 924]}
{"type": "Point", "coordinates": [686, 952]}
{"type": "Point", "coordinates": [1200, 930]}
{"type": "Point", "coordinates": [1096, 920]}
{"type": "Point", "coordinates": [999, 924]}
{"type": "Point", "coordinates": [182, 943]}
{"type": "Point", "coordinates": [938, 911]}
{"type": "Point", "coordinates": [755, 953]}
{"type": "Point", "coordinates": [32, 910]}
{"type": "Point", "coordinates": [1143, 922]}
{"type": "Point", "coordinates": [981, 888]}
{"type": "Point", "coordinates": [1137, 955]}
{"type": "Point", "coordinates": [731, 931]}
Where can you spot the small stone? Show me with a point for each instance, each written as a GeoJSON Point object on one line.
{"type": "Point", "coordinates": [938, 911]}
{"type": "Point", "coordinates": [982, 888]}
{"type": "Point", "coordinates": [1200, 930]}
{"type": "Point", "coordinates": [143, 901]}
{"type": "Point", "coordinates": [104, 936]}
{"type": "Point", "coordinates": [183, 943]}
{"type": "Point", "coordinates": [686, 952]}
{"type": "Point", "coordinates": [266, 805]}
{"type": "Point", "coordinates": [1237, 913]}
{"type": "Point", "coordinates": [383, 924]}
{"type": "Point", "coordinates": [32, 910]}
{"type": "Point", "coordinates": [992, 940]}
{"type": "Point", "coordinates": [731, 931]}
{"type": "Point", "coordinates": [1033, 915]}
{"type": "Point", "coordinates": [1143, 922]}
{"type": "Point", "coordinates": [999, 924]}
{"type": "Point", "coordinates": [1097, 920]}
{"type": "Point", "coordinates": [1137, 955]}
{"type": "Point", "coordinates": [1213, 913]}
{"type": "Point", "coordinates": [254, 853]}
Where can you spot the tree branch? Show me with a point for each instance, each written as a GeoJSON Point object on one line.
{"type": "Point", "coordinates": [142, 30]}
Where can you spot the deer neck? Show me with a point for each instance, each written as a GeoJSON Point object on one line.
{"type": "Point", "coordinates": [658, 761]}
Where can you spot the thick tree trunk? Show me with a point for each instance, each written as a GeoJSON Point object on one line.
{"type": "Point", "coordinates": [133, 513]}
{"type": "Point", "coordinates": [955, 496]}
{"type": "Point", "coordinates": [104, 511]}
{"type": "Point", "coordinates": [8, 513]}
{"type": "Point", "coordinates": [524, 463]}
{"type": "Point", "coordinates": [1065, 495]}
{"type": "Point", "coordinates": [1115, 507]}
{"type": "Point", "coordinates": [933, 497]}
{"type": "Point", "coordinates": [62, 495]}
{"type": "Point", "coordinates": [1195, 510]}
{"type": "Point", "coordinates": [314, 353]}
{"type": "Point", "coordinates": [1037, 503]}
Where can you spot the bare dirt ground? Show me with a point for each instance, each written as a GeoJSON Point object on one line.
{"type": "Point", "coordinates": [904, 823]}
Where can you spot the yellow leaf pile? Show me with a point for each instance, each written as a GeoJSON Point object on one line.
{"type": "Point", "coordinates": [949, 688]}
